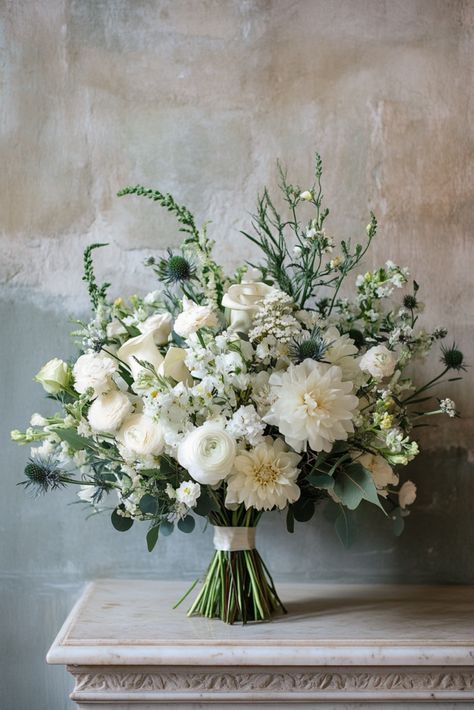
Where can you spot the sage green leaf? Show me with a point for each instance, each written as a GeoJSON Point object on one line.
{"type": "Point", "coordinates": [303, 510]}
{"type": "Point", "coordinates": [354, 484]}
{"type": "Point", "coordinates": [166, 528]}
{"type": "Point", "coordinates": [290, 520]}
{"type": "Point", "coordinates": [344, 527]}
{"type": "Point", "coordinates": [152, 537]}
{"type": "Point", "coordinates": [205, 504]}
{"type": "Point", "coordinates": [186, 524]}
{"type": "Point", "coordinates": [73, 439]}
{"type": "Point", "coordinates": [148, 504]}
{"type": "Point", "coordinates": [321, 480]}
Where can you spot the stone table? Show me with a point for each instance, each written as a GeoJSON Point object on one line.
{"type": "Point", "coordinates": [339, 644]}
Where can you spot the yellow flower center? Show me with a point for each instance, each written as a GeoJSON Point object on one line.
{"type": "Point", "coordinates": [266, 474]}
{"type": "Point", "coordinates": [310, 404]}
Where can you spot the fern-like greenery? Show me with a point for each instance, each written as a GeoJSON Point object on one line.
{"type": "Point", "coordinates": [183, 215]}
{"type": "Point", "coordinates": [97, 293]}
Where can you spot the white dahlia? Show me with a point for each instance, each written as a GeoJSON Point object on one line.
{"type": "Point", "coordinates": [313, 405]}
{"type": "Point", "coordinates": [342, 352]}
{"type": "Point", "coordinates": [265, 477]}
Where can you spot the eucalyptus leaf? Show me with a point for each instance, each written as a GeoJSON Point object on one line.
{"type": "Point", "coordinates": [148, 504]}
{"type": "Point", "coordinates": [303, 510]}
{"type": "Point", "coordinates": [120, 523]}
{"type": "Point", "coordinates": [344, 527]}
{"type": "Point", "coordinates": [73, 439]}
{"type": "Point", "coordinates": [152, 537]}
{"type": "Point", "coordinates": [187, 524]}
{"type": "Point", "coordinates": [205, 503]}
{"type": "Point", "coordinates": [321, 480]}
{"type": "Point", "coordinates": [290, 520]}
{"type": "Point", "coordinates": [166, 528]}
{"type": "Point", "coordinates": [354, 484]}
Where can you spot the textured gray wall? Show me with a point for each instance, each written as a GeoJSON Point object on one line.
{"type": "Point", "coordinates": [199, 98]}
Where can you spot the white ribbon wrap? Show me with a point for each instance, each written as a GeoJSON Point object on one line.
{"type": "Point", "coordinates": [234, 539]}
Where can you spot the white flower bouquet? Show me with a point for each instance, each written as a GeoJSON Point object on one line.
{"type": "Point", "coordinates": [228, 396]}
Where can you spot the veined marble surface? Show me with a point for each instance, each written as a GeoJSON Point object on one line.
{"type": "Point", "coordinates": [128, 622]}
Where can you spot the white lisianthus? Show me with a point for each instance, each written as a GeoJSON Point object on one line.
{"type": "Point", "coordinates": [407, 494]}
{"type": "Point", "coordinates": [382, 473]}
{"type": "Point", "coordinates": [94, 370]}
{"type": "Point", "coordinates": [194, 317]}
{"type": "Point", "coordinates": [265, 477]}
{"type": "Point", "coordinates": [159, 325]}
{"type": "Point", "coordinates": [313, 405]}
{"type": "Point", "coordinates": [54, 376]}
{"type": "Point", "coordinates": [379, 362]}
{"type": "Point", "coordinates": [108, 411]}
{"type": "Point", "coordinates": [188, 493]}
{"type": "Point", "coordinates": [141, 435]}
{"type": "Point", "coordinates": [143, 348]}
{"type": "Point", "coordinates": [243, 301]}
{"type": "Point", "coordinates": [208, 453]}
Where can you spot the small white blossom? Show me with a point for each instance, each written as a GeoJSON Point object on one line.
{"type": "Point", "coordinates": [448, 407]}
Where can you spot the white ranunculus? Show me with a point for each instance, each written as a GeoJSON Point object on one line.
{"type": "Point", "coordinates": [407, 494]}
{"type": "Point", "coordinates": [313, 405]}
{"type": "Point", "coordinates": [188, 493]}
{"type": "Point", "coordinates": [265, 477]}
{"type": "Point", "coordinates": [159, 325]}
{"type": "Point", "coordinates": [382, 473]}
{"type": "Point", "coordinates": [94, 370]}
{"type": "Point", "coordinates": [243, 301]}
{"type": "Point", "coordinates": [140, 348]}
{"type": "Point", "coordinates": [108, 411]}
{"type": "Point", "coordinates": [379, 362]}
{"type": "Point", "coordinates": [141, 435]}
{"type": "Point", "coordinates": [208, 453]}
{"type": "Point", "coordinates": [194, 317]}
{"type": "Point", "coordinates": [54, 376]}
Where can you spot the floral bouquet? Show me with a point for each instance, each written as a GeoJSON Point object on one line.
{"type": "Point", "coordinates": [228, 396]}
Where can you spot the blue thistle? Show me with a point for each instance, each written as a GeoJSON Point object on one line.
{"type": "Point", "coordinates": [452, 357]}
{"type": "Point", "coordinates": [43, 475]}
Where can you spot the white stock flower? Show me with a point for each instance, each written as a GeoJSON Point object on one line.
{"type": "Point", "coordinates": [141, 435]}
{"type": "Point", "coordinates": [265, 477]}
{"type": "Point", "coordinates": [94, 370]}
{"type": "Point", "coordinates": [313, 405]}
{"type": "Point", "coordinates": [379, 362]}
{"type": "Point", "coordinates": [208, 453]}
{"type": "Point", "coordinates": [140, 348]}
{"type": "Point", "coordinates": [38, 420]}
{"type": "Point", "coordinates": [243, 301]}
{"type": "Point", "coordinates": [54, 376]}
{"type": "Point", "coordinates": [188, 493]}
{"type": "Point", "coordinates": [382, 473]}
{"type": "Point", "coordinates": [159, 325]}
{"type": "Point", "coordinates": [246, 424]}
{"type": "Point", "coordinates": [407, 494]}
{"type": "Point", "coordinates": [108, 411]}
{"type": "Point", "coordinates": [194, 317]}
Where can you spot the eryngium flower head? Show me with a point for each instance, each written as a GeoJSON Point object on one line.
{"type": "Point", "coordinates": [452, 358]}
{"type": "Point", "coordinates": [175, 269]}
{"type": "Point", "coordinates": [410, 302]}
{"type": "Point", "coordinates": [313, 347]}
{"type": "Point", "coordinates": [43, 475]}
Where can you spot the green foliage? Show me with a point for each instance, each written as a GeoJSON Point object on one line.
{"type": "Point", "coordinates": [344, 527]}
{"type": "Point", "coordinates": [303, 509]}
{"type": "Point", "coordinates": [73, 439]}
{"type": "Point", "coordinates": [152, 537]}
{"type": "Point", "coordinates": [148, 504]}
{"type": "Point", "coordinates": [119, 522]}
{"type": "Point", "coordinates": [183, 215]}
{"type": "Point", "coordinates": [187, 524]}
{"type": "Point", "coordinates": [97, 293]}
{"type": "Point", "coordinates": [353, 483]}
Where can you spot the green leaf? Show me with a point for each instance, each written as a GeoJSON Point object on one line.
{"type": "Point", "coordinates": [290, 520]}
{"type": "Point", "coordinates": [120, 523]}
{"type": "Point", "coordinates": [354, 484]}
{"type": "Point", "coordinates": [73, 439]}
{"type": "Point", "coordinates": [186, 524]}
{"type": "Point", "coordinates": [148, 504]}
{"type": "Point", "coordinates": [398, 521]}
{"type": "Point", "coordinates": [344, 527]}
{"type": "Point", "coordinates": [166, 528]}
{"type": "Point", "coordinates": [205, 504]}
{"type": "Point", "coordinates": [152, 473]}
{"type": "Point", "coordinates": [303, 510]}
{"type": "Point", "coordinates": [321, 480]}
{"type": "Point", "coordinates": [152, 537]}
{"type": "Point", "coordinates": [167, 467]}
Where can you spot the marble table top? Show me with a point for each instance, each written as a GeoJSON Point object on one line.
{"type": "Point", "coordinates": [130, 622]}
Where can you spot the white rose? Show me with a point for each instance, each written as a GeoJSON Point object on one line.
{"type": "Point", "coordinates": [382, 473]}
{"type": "Point", "coordinates": [140, 348]}
{"type": "Point", "coordinates": [54, 376]}
{"type": "Point", "coordinates": [94, 370]}
{"type": "Point", "coordinates": [194, 317]}
{"type": "Point", "coordinates": [208, 453]}
{"type": "Point", "coordinates": [407, 494]}
{"type": "Point", "coordinates": [141, 435]}
{"type": "Point", "coordinates": [188, 493]}
{"type": "Point", "coordinates": [159, 325]}
{"type": "Point", "coordinates": [378, 362]}
{"type": "Point", "coordinates": [108, 411]}
{"type": "Point", "coordinates": [243, 300]}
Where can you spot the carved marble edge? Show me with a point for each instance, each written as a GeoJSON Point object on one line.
{"type": "Point", "coordinates": [265, 684]}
